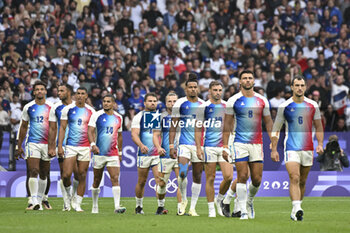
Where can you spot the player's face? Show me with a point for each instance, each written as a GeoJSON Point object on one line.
{"type": "Point", "coordinates": [299, 88]}
{"type": "Point", "coordinates": [81, 96]}
{"type": "Point", "coordinates": [40, 92]}
{"type": "Point", "coordinates": [247, 81]}
{"type": "Point", "coordinates": [216, 92]}
{"type": "Point", "coordinates": [170, 101]}
{"type": "Point", "coordinates": [62, 92]}
{"type": "Point", "coordinates": [151, 103]}
{"type": "Point", "coordinates": [191, 89]}
{"type": "Point", "coordinates": [107, 103]}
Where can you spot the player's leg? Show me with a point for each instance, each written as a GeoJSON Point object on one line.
{"type": "Point", "coordinates": [256, 169]}
{"type": "Point", "coordinates": [34, 168]}
{"type": "Point", "coordinates": [30, 202]}
{"type": "Point", "coordinates": [178, 193]}
{"type": "Point", "coordinates": [45, 202]}
{"type": "Point", "coordinates": [293, 169]}
{"type": "Point", "coordinates": [113, 168]}
{"type": "Point", "coordinates": [44, 169]}
{"type": "Point", "coordinates": [241, 188]}
{"type": "Point", "coordinates": [95, 190]}
{"type": "Point", "coordinates": [210, 169]}
{"type": "Point", "coordinates": [304, 172]}
{"type": "Point", "coordinates": [182, 181]}
{"type": "Point", "coordinates": [83, 166]}
{"type": "Point", "coordinates": [197, 169]}
{"type": "Point", "coordinates": [140, 188]}
{"type": "Point", "coordinates": [227, 173]}
{"type": "Point", "coordinates": [68, 164]}
{"type": "Point", "coordinates": [75, 184]}
{"type": "Point", "coordinates": [161, 180]}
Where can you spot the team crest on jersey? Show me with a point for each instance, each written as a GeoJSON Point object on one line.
{"type": "Point", "coordinates": [151, 120]}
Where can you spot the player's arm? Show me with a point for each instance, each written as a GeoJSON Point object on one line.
{"type": "Point", "coordinates": [21, 135]}
{"type": "Point", "coordinates": [319, 136]}
{"type": "Point", "coordinates": [228, 127]}
{"type": "Point", "coordinates": [52, 138]}
{"type": "Point", "coordinates": [172, 135]}
{"type": "Point", "coordinates": [120, 145]}
{"type": "Point", "coordinates": [61, 136]}
{"type": "Point", "coordinates": [198, 131]}
{"type": "Point", "coordinates": [156, 142]}
{"type": "Point", "coordinates": [268, 124]}
{"type": "Point", "coordinates": [135, 132]}
{"type": "Point", "coordinates": [275, 134]}
{"type": "Point", "coordinates": [92, 140]}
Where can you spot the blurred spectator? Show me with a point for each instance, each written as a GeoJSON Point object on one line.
{"type": "Point", "coordinates": [4, 123]}
{"type": "Point", "coordinates": [339, 94]}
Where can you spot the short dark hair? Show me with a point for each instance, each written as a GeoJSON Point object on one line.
{"type": "Point", "coordinates": [192, 78]}
{"type": "Point", "coordinates": [150, 94]}
{"type": "Point", "coordinates": [215, 83]}
{"type": "Point", "coordinates": [297, 77]}
{"type": "Point", "coordinates": [245, 72]}
{"type": "Point", "coordinates": [110, 96]}
{"type": "Point", "coordinates": [83, 88]}
{"type": "Point", "coordinates": [39, 83]}
{"type": "Point", "coordinates": [69, 87]}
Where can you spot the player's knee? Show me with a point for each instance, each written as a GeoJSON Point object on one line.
{"type": "Point", "coordinates": [161, 190]}
{"type": "Point", "coordinates": [243, 178]}
{"type": "Point", "coordinates": [302, 183]}
{"type": "Point", "coordinates": [228, 178]}
{"type": "Point", "coordinates": [294, 178]}
{"type": "Point", "coordinates": [33, 172]}
{"type": "Point", "coordinates": [115, 180]}
{"type": "Point", "coordinates": [183, 170]}
{"type": "Point", "coordinates": [142, 182]}
{"type": "Point", "coordinates": [161, 183]}
{"type": "Point", "coordinates": [256, 181]}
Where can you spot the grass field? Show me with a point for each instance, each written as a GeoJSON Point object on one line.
{"type": "Point", "coordinates": [324, 214]}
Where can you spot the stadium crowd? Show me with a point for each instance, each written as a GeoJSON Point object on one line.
{"type": "Point", "coordinates": [132, 47]}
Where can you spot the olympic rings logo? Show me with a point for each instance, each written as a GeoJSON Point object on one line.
{"type": "Point", "coordinates": [171, 186]}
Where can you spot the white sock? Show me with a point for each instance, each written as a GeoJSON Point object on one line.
{"type": "Point", "coordinates": [68, 191]}
{"type": "Point", "coordinates": [220, 197]}
{"type": "Point", "coordinates": [196, 189]}
{"type": "Point", "coordinates": [33, 189]}
{"type": "Point", "coordinates": [252, 192]}
{"type": "Point", "coordinates": [30, 201]}
{"type": "Point", "coordinates": [116, 196]}
{"type": "Point", "coordinates": [230, 194]}
{"type": "Point", "coordinates": [75, 184]}
{"type": "Point", "coordinates": [46, 197]}
{"type": "Point", "coordinates": [139, 202]}
{"type": "Point", "coordinates": [242, 197]}
{"type": "Point", "coordinates": [41, 189]}
{"type": "Point", "coordinates": [161, 202]}
{"type": "Point", "coordinates": [95, 192]}
{"type": "Point", "coordinates": [211, 207]}
{"type": "Point", "coordinates": [79, 200]}
{"type": "Point", "coordinates": [296, 206]}
{"type": "Point", "coordinates": [183, 187]}
{"type": "Point", "coordinates": [236, 206]}
{"type": "Point", "coordinates": [178, 206]}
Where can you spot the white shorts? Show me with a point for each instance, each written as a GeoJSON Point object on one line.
{"type": "Point", "coordinates": [304, 158]}
{"type": "Point", "coordinates": [189, 152]}
{"type": "Point", "coordinates": [101, 161]}
{"type": "Point", "coordinates": [213, 154]}
{"type": "Point", "coordinates": [166, 165]}
{"type": "Point", "coordinates": [248, 152]}
{"type": "Point", "coordinates": [82, 153]}
{"type": "Point", "coordinates": [38, 151]}
{"type": "Point", "coordinates": [147, 161]}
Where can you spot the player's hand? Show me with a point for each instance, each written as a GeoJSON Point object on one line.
{"type": "Point", "coordinates": [95, 150]}
{"type": "Point", "coordinates": [225, 154]}
{"type": "Point", "coordinates": [200, 153]}
{"type": "Point", "coordinates": [319, 149]}
{"type": "Point", "coordinates": [161, 151]}
{"type": "Point", "coordinates": [144, 149]}
{"type": "Point", "coordinates": [19, 153]}
{"type": "Point", "coordinates": [173, 154]}
{"type": "Point", "coordinates": [60, 152]}
{"type": "Point", "coordinates": [275, 156]}
{"type": "Point", "coordinates": [52, 153]}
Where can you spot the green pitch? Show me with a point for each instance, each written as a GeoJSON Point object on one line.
{"type": "Point", "coordinates": [272, 215]}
